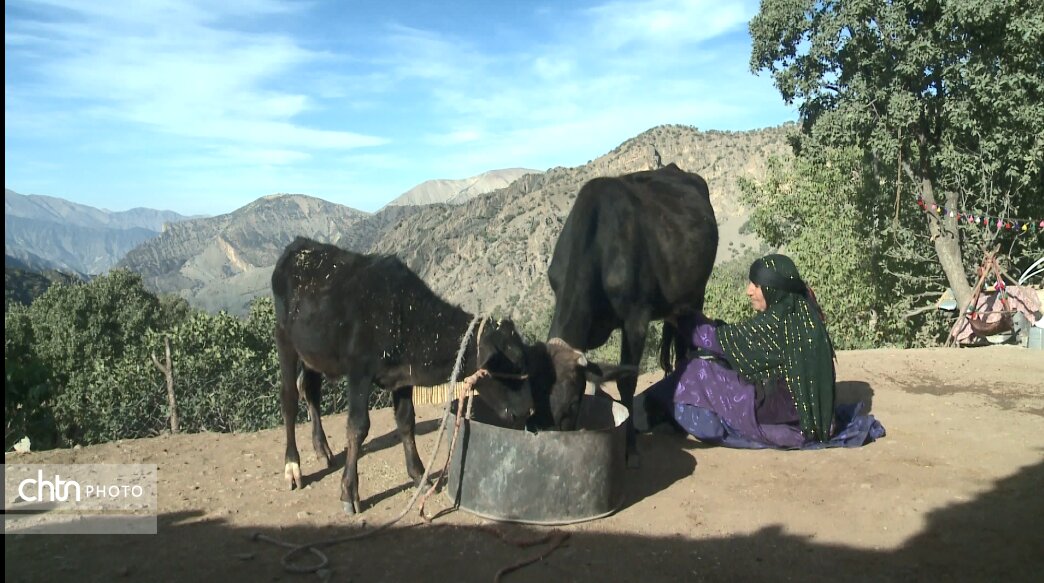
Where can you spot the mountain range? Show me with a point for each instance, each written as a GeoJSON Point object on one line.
{"type": "Point", "coordinates": [487, 254]}
{"type": "Point", "coordinates": [459, 191]}
{"type": "Point", "coordinates": [483, 242]}
{"type": "Point", "coordinates": [44, 232]}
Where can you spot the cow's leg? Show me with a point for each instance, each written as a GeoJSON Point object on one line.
{"type": "Point", "coordinates": [288, 362]}
{"type": "Point", "coordinates": [632, 345]}
{"type": "Point", "coordinates": [358, 428]}
{"type": "Point", "coordinates": [312, 388]}
{"type": "Point", "coordinates": [405, 421]}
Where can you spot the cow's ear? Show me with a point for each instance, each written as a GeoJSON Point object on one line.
{"type": "Point", "coordinates": [508, 346]}
{"type": "Point", "coordinates": [603, 373]}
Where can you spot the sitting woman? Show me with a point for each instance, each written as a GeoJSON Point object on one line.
{"type": "Point", "coordinates": [764, 383]}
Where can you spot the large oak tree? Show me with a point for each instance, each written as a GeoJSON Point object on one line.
{"type": "Point", "coordinates": [945, 98]}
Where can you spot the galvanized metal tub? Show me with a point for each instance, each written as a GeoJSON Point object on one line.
{"type": "Point", "coordinates": [549, 477]}
{"type": "Point", "coordinates": [1036, 338]}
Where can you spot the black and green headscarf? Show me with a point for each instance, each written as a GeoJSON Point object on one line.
{"type": "Point", "coordinates": [788, 340]}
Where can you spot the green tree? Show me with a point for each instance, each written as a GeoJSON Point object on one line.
{"type": "Point", "coordinates": [945, 98]}
{"type": "Point", "coordinates": [175, 309]}
{"type": "Point", "coordinates": [27, 388]}
{"type": "Point", "coordinates": [122, 398]}
{"type": "Point", "coordinates": [225, 372]}
{"type": "Point", "coordinates": [819, 208]}
{"type": "Point", "coordinates": [91, 338]}
{"type": "Point", "coordinates": [76, 326]}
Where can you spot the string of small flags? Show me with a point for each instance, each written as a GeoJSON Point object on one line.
{"type": "Point", "coordinates": [1010, 224]}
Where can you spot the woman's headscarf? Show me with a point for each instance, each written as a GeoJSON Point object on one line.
{"type": "Point", "coordinates": [788, 340]}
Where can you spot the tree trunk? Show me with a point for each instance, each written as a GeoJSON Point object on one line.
{"type": "Point", "coordinates": [168, 372]}
{"type": "Point", "coordinates": [947, 246]}
{"type": "Point", "coordinates": [943, 228]}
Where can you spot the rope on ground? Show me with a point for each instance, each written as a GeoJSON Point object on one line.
{"type": "Point", "coordinates": [557, 538]}
{"type": "Point", "coordinates": [313, 547]}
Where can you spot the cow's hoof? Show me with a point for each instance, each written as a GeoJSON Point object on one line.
{"type": "Point", "coordinates": [352, 508]}
{"type": "Point", "coordinates": [292, 475]}
{"type": "Point", "coordinates": [420, 482]}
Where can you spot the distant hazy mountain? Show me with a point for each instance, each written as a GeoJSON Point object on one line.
{"type": "Point", "coordinates": [53, 233]}
{"type": "Point", "coordinates": [459, 191]}
{"type": "Point", "coordinates": [22, 259]}
{"type": "Point", "coordinates": [58, 210]}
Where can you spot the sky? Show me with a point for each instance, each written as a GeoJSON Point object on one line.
{"type": "Point", "coordinates": [202, 106]}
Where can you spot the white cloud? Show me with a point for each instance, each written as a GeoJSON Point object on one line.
{"type": "Point", "coordinates": [420, 54]}
{"type": "Point", "coordinates": [616, 55]}
{"type": "Point", "coordinates": [666, 22]}
{"type": "Point", "coordinates": [164, 65]}
{"type": "Point", "coordinates": [247, 97]}
{"type": "Point", "coordinates": [612, 72]}
{"type": "Point", "coordinates": [139, 12]}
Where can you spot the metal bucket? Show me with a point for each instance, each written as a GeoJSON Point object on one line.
{"type": "Point", "coordinates": [1036, 338]}
{"type": "Point", "coordinates": [550, 477]}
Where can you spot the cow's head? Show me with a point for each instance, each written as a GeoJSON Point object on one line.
{"type": "Point", "coordinates": [506, 389]}
{"type": "Point", "coordinates": [559, 376]}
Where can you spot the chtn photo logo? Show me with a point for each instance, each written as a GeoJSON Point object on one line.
{"type": "Point", "coordinates": [80, 498]}
{"type": "Point", "coordinates": [43, 488]}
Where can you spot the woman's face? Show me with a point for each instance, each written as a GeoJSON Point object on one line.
{"type": "Point", "coordinates": [757, 298]}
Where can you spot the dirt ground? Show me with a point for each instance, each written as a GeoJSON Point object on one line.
{"type": "Point", "coordinates": [954, 492]}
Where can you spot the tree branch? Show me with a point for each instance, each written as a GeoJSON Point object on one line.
{"type": "Point", "coordinates": [918, 312]}
{"type": "Point", "coordinates": [168, 374]}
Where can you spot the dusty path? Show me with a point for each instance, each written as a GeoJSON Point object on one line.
{"type": "Point", "coordinates": [955, 492]}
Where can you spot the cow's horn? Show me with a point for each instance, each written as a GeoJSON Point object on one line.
{"type": "Point", "coordinates": [557, 342]}
{"type": "Point", "coordinates": [581, 360]}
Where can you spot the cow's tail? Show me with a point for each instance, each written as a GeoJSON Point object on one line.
{"type": "Point", "coordinates": [671, 346]}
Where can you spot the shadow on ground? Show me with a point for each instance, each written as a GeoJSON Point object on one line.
{"type": "Point", "coordinates": [996, 537]}
{"type": "Point", "coordinates": [855, 391]}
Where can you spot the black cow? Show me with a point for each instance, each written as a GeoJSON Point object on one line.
{"type": "Point", "coordinates": [635, 248]}
{"type": "Point", "coordinates": [370, 319]}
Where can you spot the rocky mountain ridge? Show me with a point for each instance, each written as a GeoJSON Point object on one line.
{"type": "Point", "coordinates": [489, 254]}
{"type": "Point", "coordinates": [492, 254]}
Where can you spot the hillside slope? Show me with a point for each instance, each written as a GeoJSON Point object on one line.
{"type": "Point", "coordinates": [223, 262]}
{"type": "Point", "coordinates": [492, 253]}
{"type": "Point", "coordinates": [487, 254]}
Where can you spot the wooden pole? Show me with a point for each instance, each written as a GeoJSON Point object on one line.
{"type": "Point", "coordinates": [961, 315]}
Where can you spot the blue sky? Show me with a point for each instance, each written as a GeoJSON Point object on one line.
{"type": "Point", "coordinates": [203, 106]}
